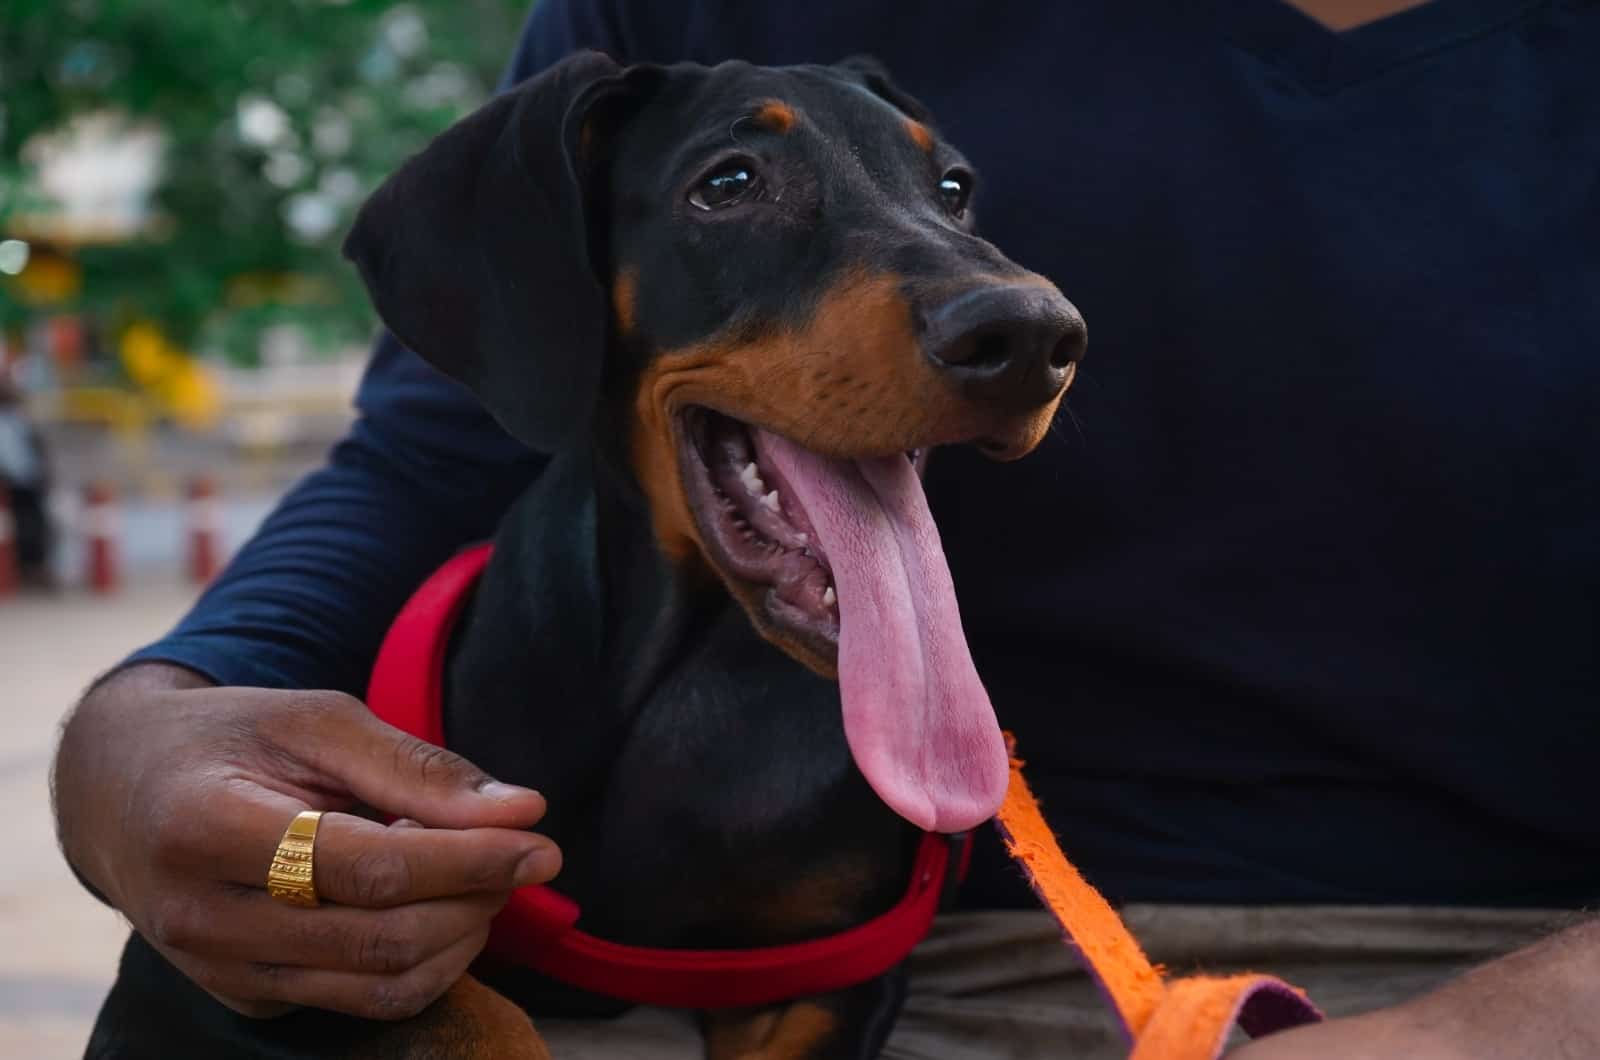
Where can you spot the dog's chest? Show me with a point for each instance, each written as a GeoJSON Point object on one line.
{"type": "Point", "coordinates": [722, 809]}
{"type": "Point", "coordinates": [733, 814]}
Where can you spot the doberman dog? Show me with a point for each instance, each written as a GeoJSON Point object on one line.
{"type": "Point", "coordinates": [739, 305]}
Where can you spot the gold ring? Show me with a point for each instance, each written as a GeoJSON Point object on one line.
{"type": "Point", "coordinates": [291, 878]}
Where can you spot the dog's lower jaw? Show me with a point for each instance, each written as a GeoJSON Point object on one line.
{"type": "Point", "coordinates": [741, 538]}
{"type": "Point", "coordinates": [663, 463]}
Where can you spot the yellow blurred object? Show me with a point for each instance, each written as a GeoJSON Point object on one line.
{"type": "Point", "coordinates": [47, 279]}
{"type": "Point", "coordinates": [146, 355]}
{"type": "Point", "coordinates": [193, 398]}
{"type": "Point", "coordinates": [180, 384]}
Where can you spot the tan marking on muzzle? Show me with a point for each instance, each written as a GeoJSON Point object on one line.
{"type": "Point", "coordinates": [850, 382]}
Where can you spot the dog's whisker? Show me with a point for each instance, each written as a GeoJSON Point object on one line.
{"type": "Point", "coordinates": [1077, 424]}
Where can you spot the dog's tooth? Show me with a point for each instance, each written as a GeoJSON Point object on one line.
{"type": "Point", "coordinates": [750, 475]}
{"type": "Point", "coordinates": [804, 539]}
{"type": "Point", "coordinates": [770, 501]}
{"type": "Point", "coordinates": [829, 597]}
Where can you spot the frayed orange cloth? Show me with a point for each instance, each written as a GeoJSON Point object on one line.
{"type": "Point", "coordinates": [1179, 1019]}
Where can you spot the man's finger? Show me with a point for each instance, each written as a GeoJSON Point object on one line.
{"type": "Point", "coordinates": [398, 774]}
{"type": "Point", "coordinates": [246, 925]}
{"type": "Point", "coordinates": [250, 988]}
{"type": "Point", "coordinates": [362, 863]}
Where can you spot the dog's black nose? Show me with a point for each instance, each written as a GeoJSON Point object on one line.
{"type": "Point", "coordinates": [1012, 345]}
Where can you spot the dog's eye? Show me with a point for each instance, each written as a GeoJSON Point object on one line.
{"type": "Point", "coordinates": [724, 187]}
{"type": "Point", "coordinates": [956, 189]}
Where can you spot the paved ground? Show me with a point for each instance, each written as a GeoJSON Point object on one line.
{"type": "Point", "coordinates": [58, 947]}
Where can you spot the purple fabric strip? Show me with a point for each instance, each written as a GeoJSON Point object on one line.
{"type": "Point", "coordinates": [1273, 1005]}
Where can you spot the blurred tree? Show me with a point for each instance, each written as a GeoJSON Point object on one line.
{"type": "Point", "coordinates": [276, 117]}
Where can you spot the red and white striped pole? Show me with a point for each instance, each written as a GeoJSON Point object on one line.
{"type": "Point", "coordinates": [8, 544]}
{"type": "Point", "coordinates": [204, 516]}
{"type": "Point", "coordinates": [102, 525]}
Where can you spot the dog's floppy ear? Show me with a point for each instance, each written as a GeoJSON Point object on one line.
{"type": "Point", "coordinates": [476, 253]}
{"type": "Point", "coordinates": [871, 73]}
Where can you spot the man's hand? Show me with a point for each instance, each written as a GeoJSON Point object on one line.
{"type": "Point", "coordinates": [171, 796]}
{"type": "Point", "coordinates": [1542, 1003]}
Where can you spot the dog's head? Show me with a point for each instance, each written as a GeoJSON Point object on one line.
{"type": "Point", "coordinates": [764, 284]}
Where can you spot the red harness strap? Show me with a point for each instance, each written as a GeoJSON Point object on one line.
{"type": "Point", "coordinates": [538, 927]}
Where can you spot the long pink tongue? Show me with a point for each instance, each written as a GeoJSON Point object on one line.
{"type": "Point", "coordinates": [917, 718]}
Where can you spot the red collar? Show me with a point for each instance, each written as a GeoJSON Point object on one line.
{"type": "Point", "coordinates": [537, 928]}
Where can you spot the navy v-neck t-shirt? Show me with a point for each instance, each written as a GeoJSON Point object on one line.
{"type": "Point", "coordinates": [1298, 601]}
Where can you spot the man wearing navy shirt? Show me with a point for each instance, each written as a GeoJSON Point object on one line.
{"type": "Point", "coordinates": [1296, 616]}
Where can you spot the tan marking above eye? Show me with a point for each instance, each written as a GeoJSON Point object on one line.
{"type": "Point", "coordinates": [920, 134]}
{"type": "Point", "coordinates": [776, 115]}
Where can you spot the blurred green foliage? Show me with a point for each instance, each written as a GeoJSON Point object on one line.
{"type": "Point", "coordinates": [279, 116]}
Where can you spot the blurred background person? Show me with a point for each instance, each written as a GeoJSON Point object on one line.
{"type": "Point", "coordinates": [24, 477]}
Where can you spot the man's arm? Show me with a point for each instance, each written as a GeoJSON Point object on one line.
{"type": "Point", "coordinates": [1542, 1001]}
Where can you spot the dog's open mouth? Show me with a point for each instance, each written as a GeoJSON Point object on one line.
{"type": "Point", "coordinates": [840, 565]}
{"type": "Point", "coordinates": [757, 530]}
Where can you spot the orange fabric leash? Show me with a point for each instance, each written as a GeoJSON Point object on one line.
{"type": "Point", "coordinates": [1179, 1019]}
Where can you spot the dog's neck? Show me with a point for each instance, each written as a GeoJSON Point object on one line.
{"type": "Point", "coordinates": [574, 622]}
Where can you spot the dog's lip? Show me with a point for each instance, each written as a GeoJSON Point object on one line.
{"type": "Point", "coordinates": [682, 420]}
